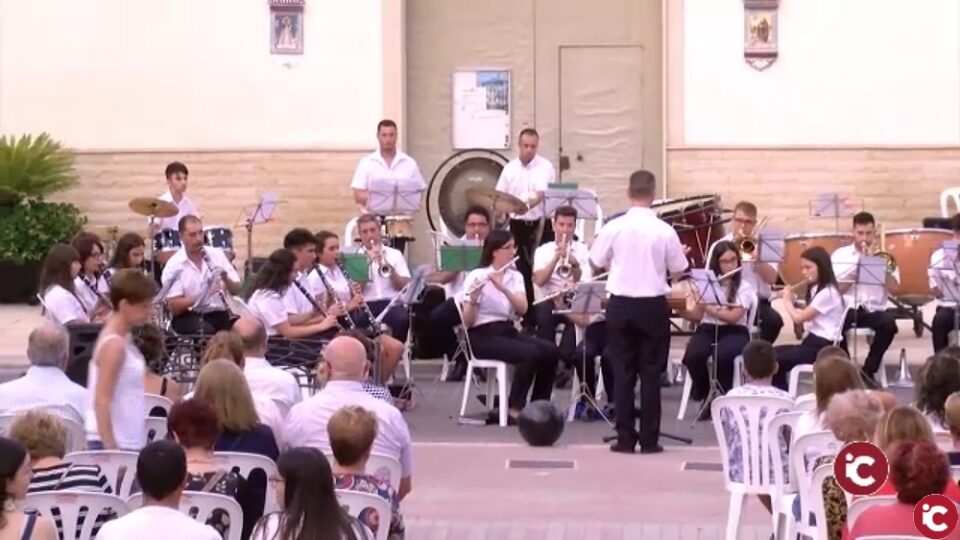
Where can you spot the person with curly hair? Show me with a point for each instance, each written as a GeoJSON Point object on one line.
{"type": "Point", "coordinates": [939, 377]}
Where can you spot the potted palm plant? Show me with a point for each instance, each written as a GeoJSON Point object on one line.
{"type": "Point", "coordinates": [31, 168]}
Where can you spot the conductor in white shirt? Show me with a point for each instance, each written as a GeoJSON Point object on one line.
{"type": "Point", "coordinates": [639, 250]}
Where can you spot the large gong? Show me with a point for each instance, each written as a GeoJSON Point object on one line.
{"type": "Point", "coordinates": [447, 192]}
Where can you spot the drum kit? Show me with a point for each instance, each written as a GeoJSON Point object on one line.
{"type": "Point", "coordinates": [167, 241]}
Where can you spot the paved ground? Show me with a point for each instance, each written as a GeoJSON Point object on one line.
{"type": "Point", "coordinates": [463, 488]}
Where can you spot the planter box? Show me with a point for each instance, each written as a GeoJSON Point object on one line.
{"type": "Point", "coordinates": [18, 282]}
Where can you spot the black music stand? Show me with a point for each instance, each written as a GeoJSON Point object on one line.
{"type": "Point", "coordinates": [588, 301]}
{"type": "Point", "coordinates": [710, 293]}
{"type": "Point", "coordinates": [256, 214]}
{"type": "Point", "coordinates": [831, 206]}
{"type": "Point", "coordinates": [410, 295]}
{"type": "Point", "coordinates": [947, 270]}
{"type": "Point", "coordinates": [868, 271]}
{"type": "Point", "coordinates": [388, 197]}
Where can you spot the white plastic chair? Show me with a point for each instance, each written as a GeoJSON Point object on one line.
{"type": "Point", "coordinates": [385, 467]}
{"type": "Point", "coordinates": [745, 412]}
{"type": "Point", "coordinates": [349, 233]}
{"type": "Point", "coordinates": [496, 385]}
{"type": "Point", "coordinates": [68, 503]}
{"type": "Point", "coordinates": [151, 401]}
{"type": "Point", "coordinates": [198, 505]}
{"type": "Point", "coordinates": [814, 445]}
{"type": "Point", "coordinates": [244, 463]}
{"type": "Point", "coordinates": [946, 197]}
{"type": "Point", "coordinates": [118, 466]}
{"type": "Point", "coordinates": [858, 506]}
{"type": "Point", "coordinates": [784, 490]}
{"type": "Point", "coordinates": [815, 498]}
{"type": "Point", "coordinates": [793, 385]}
{"type": "Point", "coordinates": [804, 403]}
{"type": "Point", "coordinates": [355, 503]}
{"type": "Point", "coordinates": [76, 434]}
{"type": "Point", "coordinates": [155, 429]}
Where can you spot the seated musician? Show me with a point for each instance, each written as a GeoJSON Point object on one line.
{"type": "Point", "coordinates": [340, 288]}
{"type": "Point", "coordinates": [867, 303]}
{"type": "Point", "coordinates": [941, 269]}
{"type": "Point", "coordinates": [188, 272]}
{"type": "Point", "coordinates": [57, 286]}
{"type": "Point", "coordinates": [176, 174]}
{"type": "Point", "coordinates": [761, 276]}
{"type": "Point", "coordinates": [822, 316]}
{"type": "Point", "coordinates": [129, 253]}
{"type": "Point", "coordinates": [90, 285]}
{"type": "Point", "coordinates": [445, 317]}
{"type": "Point", "coordinates": [724, 328]}
{"type": "Point", "coordinates": [548, 281]}
{"type": "Point", "coordinates": [494, 295]}
{"type": "Point", "coordinates": [387, 275]}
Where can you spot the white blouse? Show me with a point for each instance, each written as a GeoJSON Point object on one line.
{"type": "Point", "coordinates": [494, 306]}
{"type": "Point", "coordinates": [63, 307]}
{"type": "Point", "coordinates": [831, 311]}
{"type": "Point", "coordinates": [126, 410]}
{"type": "Point", "coordinates": [746, 298]}
{"type": "Point", "coordinates": [86, 294]}
{"type": "Point", "coordinates": [267, 306]}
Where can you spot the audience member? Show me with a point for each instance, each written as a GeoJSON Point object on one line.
{"type": "Point", "coordinates": [15, 476]}
{"type": "Point", "coordinates": [45, 384]}
{"type": "Point", "coordinates": [939, 377]}
{"type": "Point", "coordinates": [305, 490]}
{"type": "Point", "coordinates": [224, 345]}
{"type": "Point", "coordinates": [279, 385]}
{"type": "Point", "coordinates": [149, 338]}
{"type": "Point", "coordinates": [832, 375]}
{"type": "Point", "coordinates": [352, 431]}
{"type": "Point", "coordinates": [162, 475]}
{"type": "Point", "coordinates": [346, 360]}
{"type": "Point", "coordinates": [951, 414]}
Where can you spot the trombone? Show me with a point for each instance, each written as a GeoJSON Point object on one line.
{"type": "Point", "coordinates": [881, 252]}
{"type": "Point", "coordinates": [564, 269]}
{"type": "Point", "coordinates": [748, 246]}
{"type": "Point", "coordinates": [567, 289]}
{"type": "Point", "coordinates": [485, 279]}
{"type": "Point", "coordinates": [383, 268]}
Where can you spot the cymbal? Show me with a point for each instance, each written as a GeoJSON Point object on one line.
{"type": "Point", "coordinates": [149, 206]}
{"type": "Point", "coordinates": [498, 200]}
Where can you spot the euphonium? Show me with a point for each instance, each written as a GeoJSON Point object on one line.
{"type": "Point", "coordinates": [564, 270]}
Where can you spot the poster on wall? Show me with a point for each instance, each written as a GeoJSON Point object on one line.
{"type": "Point", "coordinates": [481, 109]}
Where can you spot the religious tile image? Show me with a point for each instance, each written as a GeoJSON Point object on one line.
{"type": "Point", "coordinates": [286, 32]}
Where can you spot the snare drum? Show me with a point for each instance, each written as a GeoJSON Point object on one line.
{"type": "Point", "coordinates": [218, 236]}
{"type": "Point", "coordinates": [796, 244]}
{"type": "Point", "coordinates": [911, 249]}
{"type": "Point", "coordinates": [696, 219]}
{"type": "Point", "coordinates": [166, 240]}
{"type": "Point", "coordinates": [399, 227]}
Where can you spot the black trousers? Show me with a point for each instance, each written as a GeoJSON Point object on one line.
{"type": "Point", "coordinates": [441, 322]}
{"type": "Point", "coordinates": [594, 344]}
{"type": "Point", "coordinates": [731, 339]}
{"type": "Point", "coordinates": [638, 342]}
{"type": "Point", "coordinates": [547, 322]}
{"type": "Point", "coordinates": [398, 319]}
{"type": "Point", "coordinates": [209, 323]}
{"type": "Point", "coordinates": [884, 327]}
{"type": "Point", "coordinates": [534, 360]}
{"type": "Point", "coordinates": [525, 235]}
{"type": "Point", "coordinates": [943, 324]}
{"type": "Point", "coordinates": [791, 356]}
{"type": "Point", "coordinates": [769, 321]}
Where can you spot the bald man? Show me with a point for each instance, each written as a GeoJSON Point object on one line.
{"type": "Point", "coordinates": [264, 379]}
{"type": "Point", "coordinates": [345, 368]}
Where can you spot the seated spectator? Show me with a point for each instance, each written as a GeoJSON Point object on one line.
{"type": "Point", "coordinates": [951, 414]}
{"type": "Point", "coordinates": [46, 385]}
{"type": "Point", "coordinates": [194, 425]}
{"type": "Point", "coordinates": [224, 345]}
{"type": "Point", "coordinates": [832, 374]}
{"type": "Point", "coordinates": [279, 385]}
{"type": "Point", "coordinates": [939, 377]}
{"type": "Point", "coordinates": [150, 340]}
{"type": "Point", "coordinates": [162, 475]}
{"type": "Point", "coordinates": [346, 362]}
{"type": "Point", "coordinates": [919, 468]}
{"type": "Point", "coordinates": [352, 431]}
{"type": "Point", "coordinates": [306, 494]}
{"type": "Point", "coordinates": [15, 475]}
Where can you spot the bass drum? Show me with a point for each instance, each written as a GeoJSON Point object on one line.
{"type": "Point", "coordinates": [447, 192]}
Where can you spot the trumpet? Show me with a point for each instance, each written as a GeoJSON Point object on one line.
{"type": "Point", "coordinates": [749, 245]}
{"type": "Point", "coordinates": [564, 269]}
{"type": "Point", "coordinates": [383, 268]}
{"type": "Point", "coordinates": [484, 280]}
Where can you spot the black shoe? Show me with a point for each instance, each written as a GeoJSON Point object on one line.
{"type": "Point", "coordinates": [562, 379]}
{"type": "Point", "coordinates": [616, 447]}
{"type": "Point", "coordinates": [869, 381]}
{"type": "Point", "coordinates": [655, 449]}
{"type": "Point", "coordinates": [665, 380]}
{"type": "Point", "coordinates": [458, 373]}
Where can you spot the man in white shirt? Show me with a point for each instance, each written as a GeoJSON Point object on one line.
{"type": "Point", "coordinates": [264, 379]}
{"type": "Point", "coordinates": [345, 359]}
{"type": "Point", "coordinates": [45, 384]}
{"type": "Point", "coordinates": [942, 274]}
{"type": "Point", "coordinates": [445, 317]}
{"type": "Point", "coordinates": [527, 177]}
{"type": "Point", "coordinates": [387, 274]}
{"type": "Point", "coordinates": [196, 307]}
{"type": "Point", "coordinates": [162, 475]}
{"type": "Point", "coordinates": [761, 275]}
{"type": "Point", "coordinates": [867, 304]}
{"type": "Point", "coordinates": [387, 163]}
{"type": "Point", "coordinates": [176, 193]}
{"type": "Point", "coordinates": [640, 251]}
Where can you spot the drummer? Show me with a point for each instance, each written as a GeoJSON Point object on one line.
{"type": "Point", "coordinates": [527, 177]}
{"type": "Point", "coordinates": [176, 193]}
{"type": "Point", "coordinates": [386, 163]}
{"type": "Point", "coordinates": [760, 275]}
{"type": "Point", "coordinates": [941, 270]}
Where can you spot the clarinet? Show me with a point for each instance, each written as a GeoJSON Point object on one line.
{"type": "Point", "coordinates": [213, 275]}
{"type": "Point", "coordinates": [313, 301]}
{"type": "Point", "coordinates": [93, 288]}
{"type": "Point", "coordinates": [374, 325]}
{"type": "Point", "coordinates": [332, 294]}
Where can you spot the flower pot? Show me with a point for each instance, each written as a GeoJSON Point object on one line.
{"type": "Point", "coordinates": [19, 282]}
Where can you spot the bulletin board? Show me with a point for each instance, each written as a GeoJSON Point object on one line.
{"type": "Point", "coordinates": [481, 109]}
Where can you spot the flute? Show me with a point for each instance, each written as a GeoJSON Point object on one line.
{"type": "Point", "coordinates": [484, 280]}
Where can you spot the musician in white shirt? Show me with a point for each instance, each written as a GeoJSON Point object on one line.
{"type": "Point", "coordinates": [176, 174]}
{"type": "Point", "coordinates": [328, 259]}
{"type": "Point", "coordinates": [445, 317]}
{"type": "Point", "coordinates": [760, 275]}
{"type": "Point", "coordinates": [57, 286]}
{"type": "Point", "coordinates": [527, 177]}
{"type": "Point", "coordinates": [822, 316]}
{"type": "Point", "coordinates": [188, 272]}
{"type": "Point", "coordinates": [640, 251]}
{"type": "Point", "coordinates": [90, 285]}
{"type": "Point", "coordinates": [943, 271]}
{"type": "Point", "coordinates": [387, 275]}
{"type": "Point", "coordinates": [867, 303]}
{"type": "Point", "coordinates": [493, 295]}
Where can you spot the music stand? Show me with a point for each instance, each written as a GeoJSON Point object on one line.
{"type": "Point", "coordinates": [831, 205]}
{"type": "Point", "coordinates": [256, 214]}
{"type": "Point", "coordinates": [870, 271]}
{"type": "Point", "coordinates": [587, 300]}
{"type": "Point", "coordinates": [459, 258]}
{"type": "Point", "coordinates": [710, 293]}
{"type": "Point", "coordinates": [946, 280]}
{"type": "Point", "coordinates": [409, 295]}
{"type": "Point", "coordinates": [356, 266]}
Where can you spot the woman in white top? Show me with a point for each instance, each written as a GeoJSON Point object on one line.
{"type": "Point", "coordinates": [822, 317]}
{"type": "Point", "coordinates": [129, 253]}
{"type": "Point", "coordinates": [493, 296]}
{"type": "Point", "coordinates": [117, 368]}
{"type": "Point", "coordinates": [92, 288]}
{"type": "Point", "coordinates": [724, 323]}
{"type": "Point", "coordinates": [58, 273]}
{"type": "Point", "coordinates": [266, 302]}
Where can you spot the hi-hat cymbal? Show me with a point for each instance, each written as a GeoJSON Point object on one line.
{"type": "Point", "coordinates": [149, 206]}
{"type": "Point", "coordinates": [499, 201]}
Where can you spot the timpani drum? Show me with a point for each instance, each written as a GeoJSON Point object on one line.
{"type": "Point", "coordinates": [696, 219]}
{"type": "Point", "coordinates": [911, 249]}
{"type": "Point", "coordinates": [796, 244]}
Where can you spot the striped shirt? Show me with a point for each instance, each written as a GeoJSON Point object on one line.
{"type": "Point", "coordinates": [62, 476]}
